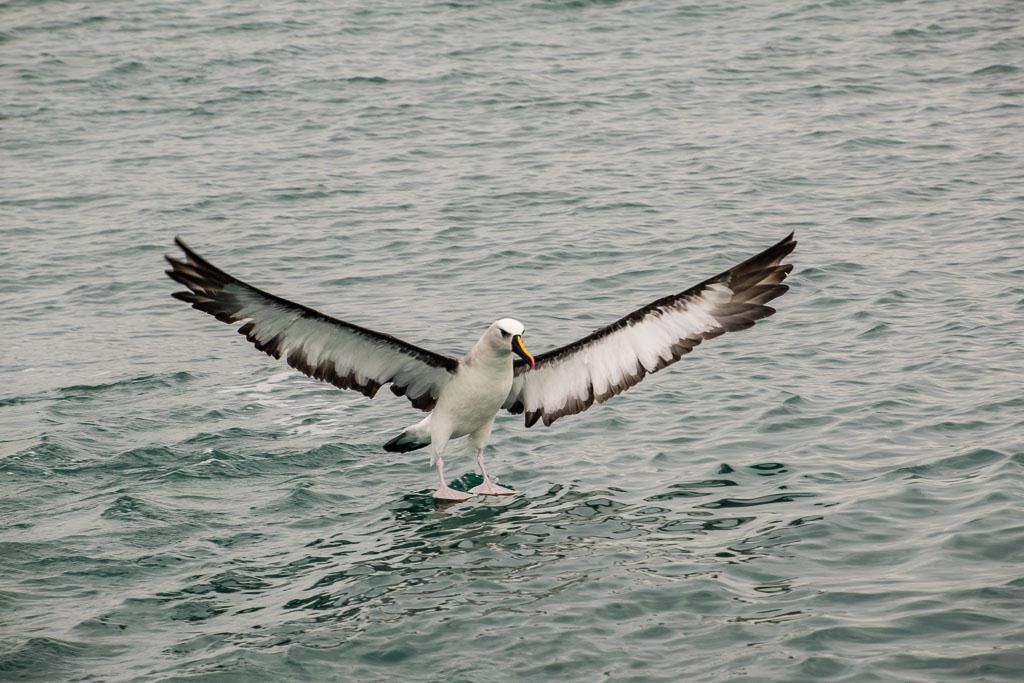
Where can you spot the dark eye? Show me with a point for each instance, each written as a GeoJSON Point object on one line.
{"type": "Point", "coordinates": [505, 335]}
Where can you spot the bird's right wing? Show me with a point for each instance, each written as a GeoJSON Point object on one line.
{"type": "Point", "coordinates": [568, 380]}
{"type": "Point", "coordinates": [346, 355]}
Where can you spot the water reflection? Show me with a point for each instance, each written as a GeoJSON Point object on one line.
{"type": "Point", "coordinates": [411, 557]}
{"type": "Point", "coordinates": [524, 548]}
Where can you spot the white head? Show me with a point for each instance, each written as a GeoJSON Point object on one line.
{"type": "Point", "coordinates": [510, 326]}
{"type": "Point", "coordinates": [505, 336]}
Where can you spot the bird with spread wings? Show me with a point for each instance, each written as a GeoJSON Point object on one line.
{"type": "Point", "coordinates": [463, 396]}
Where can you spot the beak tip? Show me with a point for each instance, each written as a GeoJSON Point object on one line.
{"type": "Point", "coordinates": [520, 350]}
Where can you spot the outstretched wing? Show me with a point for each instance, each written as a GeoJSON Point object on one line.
{"type": "Point", "coordinates": [346, 355]}
{"type": "Point", "coordinates": [570, 379]}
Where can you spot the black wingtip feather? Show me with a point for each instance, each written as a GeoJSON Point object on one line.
{"type": "Point", "coordinates": [184, 247]}
{"type": "Point", "coordinates": [767, 258]}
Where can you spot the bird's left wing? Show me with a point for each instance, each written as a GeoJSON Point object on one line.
{"type": "Point", "coordinates": [570, 379]}
{"type": "Point", "coordinates": [346, 355]}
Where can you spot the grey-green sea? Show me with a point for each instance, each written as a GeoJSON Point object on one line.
{"type": "Point", "coordinates": [834, 494]}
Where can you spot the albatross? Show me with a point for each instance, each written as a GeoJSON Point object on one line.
{"type": "Point", "coordinates": [463, 396]}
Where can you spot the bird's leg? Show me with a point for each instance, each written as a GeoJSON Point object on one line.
{"type": "Point", "coordinates": [445, 492]}
{"type": "Point", "coordinates": [488, 488]}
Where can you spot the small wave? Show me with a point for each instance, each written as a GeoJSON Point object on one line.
{"type": "Point", "coordinates": [87, 391]}
{"type": "Point", "coordinates": [879, 330]}
{"type": "Point", "coordinates": [955, 426]}
{"type": "Point", "coordinates": [870, 142]}
{"type": "Point", "coordinates": [373, 80]}
{"type": "Point", "coordinates": [909, 33]}
{"type": "Point", "coordinates": [792, 405]}
{"type": "Point", "coordinates": [43, 658]}
{"type": "Point", "coordinates": [47, 453]}
{"type": "Point", "coordinates": [996, 70]}
{"type": "Point", "coordinates": [956, 466]}
{"type": "Point", "coordinates": [760, 500]}
{"type": "Point", "coordinates": [231, 581]}
{"type": "Point", "coordinates": [244, 538]}
{"type": "Point", "coordinates": [127, 68]}
{"type": "Point", "coordinates": [797, 423]}
{"type": "Point", "coordinates": [576, 4]}
{"type": "Point", "coordinates": [129, 508]}
{"type": "Point", "coordinates": [769, 469]}
{"type": "Point", "coordinates": [714, 524]}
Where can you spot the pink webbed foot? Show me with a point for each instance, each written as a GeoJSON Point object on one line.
{"type": "Point", "coordinates": [447, 493]}
{"type": "Point", "coordinates": [489, 488]}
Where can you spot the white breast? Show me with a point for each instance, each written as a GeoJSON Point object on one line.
{"type": "Point", "coordinates": [474, 396]}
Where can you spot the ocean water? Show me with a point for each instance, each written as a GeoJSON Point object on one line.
{"type": "Point", "coordinates": [835, 494]}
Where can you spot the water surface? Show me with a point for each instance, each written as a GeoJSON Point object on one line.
{"type": "Point", "coordinates": [835, 494]}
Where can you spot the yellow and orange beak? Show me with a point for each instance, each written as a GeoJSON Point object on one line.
{"type": "Point", "coordinates": [520, 350]}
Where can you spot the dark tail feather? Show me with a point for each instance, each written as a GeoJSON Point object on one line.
{"type": "Point", "coordinates": [405, 442]}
